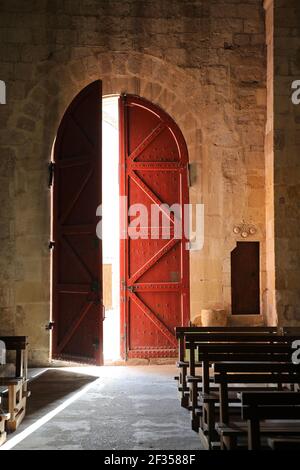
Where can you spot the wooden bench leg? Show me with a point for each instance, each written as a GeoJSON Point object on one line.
{"type": "Point", "coordinates": [253, 434]}
{"type": "Point", "coordinates": [211, 422]}
{"type": "Point", "coordinates": [195, 423]}
{"type": "Point", "coordinates": [194, 402]}
{"type": "Point", "coordinates": [3, 435]}
{"type": "Point", "coordinates": [184, 398]}
{"type": "Point", "coordinates": [17, 397]}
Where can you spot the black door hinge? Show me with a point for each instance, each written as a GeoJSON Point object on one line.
{"type": "Point", "coordinates": [49, 326]}
{"type": "Point", "coordinates": [51, 168]}
{"type": "Point", "coordinates": [51, 245]}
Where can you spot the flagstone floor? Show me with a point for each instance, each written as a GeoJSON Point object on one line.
{"type": "Point", "coordinates": [108, 408]}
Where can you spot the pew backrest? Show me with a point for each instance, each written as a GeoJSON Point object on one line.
{"type": "Point", "coordinates": [183, 332]}
{"type": "Point", "coordinates": [261, 372]}
{"type": "Point", "coordinates": [262, 406]}
{"type": "Point", "coordinates": [251, 373]}
{"type": "Point", "coordinates": [225, 342]}
{"type": "Point", "coordinates": [209, 354]}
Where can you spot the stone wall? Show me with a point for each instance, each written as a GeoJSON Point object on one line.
{"type": "Point", "coordinates": [287, 161]}
{"type": "Point", "coordinates": [270, 296]}
{"type": "Point", "coordinates": [203, 61]}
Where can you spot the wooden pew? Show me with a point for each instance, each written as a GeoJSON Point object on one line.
{"type": "Point", "coordinates": [266, 406]}
{"type": "Point", "coordinates": [15, 388]}
{"type": "Point", "coordinates": [252, 373]}
{"type": "Point", "coordinates": [221, 342]}
{"type": "Point", "coordinates": [184, 333]}
{"type": "Point", "coordinates": [208, 399]}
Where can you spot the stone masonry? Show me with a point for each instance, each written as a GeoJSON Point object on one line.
{"type": "Point", "coordinates": [287, 161]}
{"type": "Point", "coordinates": [203, 62]}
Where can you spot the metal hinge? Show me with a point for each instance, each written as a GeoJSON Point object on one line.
{"type": "Point", "coordinates": [51, 245]}
{"type": "Point", "coordinates": [50, 326]}
{"type": "Point", "coordinates": [51, 168]}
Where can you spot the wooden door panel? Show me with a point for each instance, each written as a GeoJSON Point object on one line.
{"type": "Point", "coordinates": [154, 270]}
{"type": "Point", "coordinates": [69, 185]}
{"type": "Point", "coordinates": [164, 184]}
{"type": "Point", "coordinates": [151, 337]}
{"type": "Point", "coordinates": [77, 257]}
{"type": "Point", "coordinates": [143, 255]}
{"type": "Point", "coordinates": [167, 268]}
{"type": "Point", "coordinates": [162, 149]}
{"type": "Point", "coordinates": [145, 129]}
{"type": "Point", "coordinates": [245, 279]}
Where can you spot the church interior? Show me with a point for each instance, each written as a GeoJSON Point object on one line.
{"type": "Point", "coordinates": [150, 240]}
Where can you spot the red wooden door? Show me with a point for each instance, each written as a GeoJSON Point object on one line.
{"type": "Point", "coordinates": [77, 254]}
{"type": "Point", "coordinates": [154, 271]}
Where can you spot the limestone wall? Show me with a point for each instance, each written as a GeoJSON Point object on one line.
{"type": "Point", "coordinates": [287, 161]}
{"type": "Point", "coordinates": [203, 61]}
{"type": "Point", "coordinates": [270, 296]}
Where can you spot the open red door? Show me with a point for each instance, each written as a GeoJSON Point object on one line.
{"type": "Point", "coordinates": [154, 270]}
{"type": "Point", "coordinates": [77, 255]}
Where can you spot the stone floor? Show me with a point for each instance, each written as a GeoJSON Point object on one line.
{"type": "Point", "coordinates": [114, 408]}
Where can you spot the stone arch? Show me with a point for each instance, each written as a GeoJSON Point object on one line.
{"type": "Point", "coordinates": [160, 82]}
{"type": "Point", "coordinates": [207, 126]}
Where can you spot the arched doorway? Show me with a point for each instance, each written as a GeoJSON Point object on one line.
{"type": "Point", "coordinates": [154, 263]}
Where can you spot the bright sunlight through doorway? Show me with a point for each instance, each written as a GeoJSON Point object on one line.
{"type": "Point", "coordinates": [111, 228]}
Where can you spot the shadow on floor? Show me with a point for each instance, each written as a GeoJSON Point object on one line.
{"type": "Point", "coordinates": [53, 387]}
